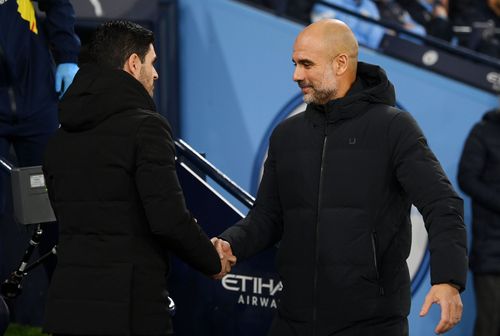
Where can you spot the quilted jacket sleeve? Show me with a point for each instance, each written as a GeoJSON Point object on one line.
{"type": "Point", "coordinates": [424, 181]}
{"type": "Point", "coordinates": [60, 25]}
{"type": "Point", "coordinates": [163, 199]}
{"type": "Point", "coordinates": [263, 225]}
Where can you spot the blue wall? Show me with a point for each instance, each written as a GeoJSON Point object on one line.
{"type": "Point", "coordinates": [236, 77]}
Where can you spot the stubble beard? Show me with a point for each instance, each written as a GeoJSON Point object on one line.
{"type": "Point", "coordinates": [320, 96]}
{"type": "Point", "coordinates": [147, 85]}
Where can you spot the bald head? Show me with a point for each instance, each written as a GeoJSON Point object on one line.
{"type": "Point", "coordinates": [333, 36]}
{"type": "Point", "coordinates": [326, 47]}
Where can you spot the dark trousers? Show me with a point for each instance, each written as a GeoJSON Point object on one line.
{"type": "Point", "coordinates": [487, 288]}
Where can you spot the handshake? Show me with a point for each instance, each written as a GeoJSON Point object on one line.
{"type": "Point", "coordinates": [227, 258]}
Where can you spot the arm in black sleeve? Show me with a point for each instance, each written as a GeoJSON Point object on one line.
{"type": "Point", "coordinates": [422, 178]}
{"type": "Point", "coordinates": [163, 199]}
{"type": "Point", "coordinates": [471, 166]}
{"type": "Point", "coordinates": [60, 27]}
{"type": "Point", "coordinates": [263, 226]}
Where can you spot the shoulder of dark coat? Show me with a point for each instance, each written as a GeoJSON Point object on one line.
{"type": "Point", "coordinates": [485, 129]}
{"type": "Point", "coordinates": [379, 113]}
{"type": "Point", "coordinates": [143, 115]}
{"type": "Point", "coordinates": [290, 124]}
{"type": "Point", "coordinates": [391, 117]}
{"type": "Point", "coordinates": [383, 112]}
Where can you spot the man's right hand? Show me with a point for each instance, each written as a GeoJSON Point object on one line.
{"type": "Point", "coordinates": [227, 258]}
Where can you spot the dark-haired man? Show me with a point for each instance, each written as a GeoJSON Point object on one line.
{"type": "Point", "coordinates": [110, 172]}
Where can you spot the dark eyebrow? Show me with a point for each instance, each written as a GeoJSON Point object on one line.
{"type": "Point", "coordinates": [304, 61]}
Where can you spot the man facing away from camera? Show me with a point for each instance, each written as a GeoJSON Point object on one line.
{"type": "Point", "coordinates": [110, 173]}
{"type": "Point", "coordinates": [336, 192]}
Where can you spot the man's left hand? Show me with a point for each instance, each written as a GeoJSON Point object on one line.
{"type": "Point", "coordinates": [448, 297]}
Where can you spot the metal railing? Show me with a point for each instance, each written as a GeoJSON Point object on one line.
{"type": "Point", "coordinates": [188, 153]}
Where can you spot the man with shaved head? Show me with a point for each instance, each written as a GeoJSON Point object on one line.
{"type": "Point", "coordinates": [338, 184]}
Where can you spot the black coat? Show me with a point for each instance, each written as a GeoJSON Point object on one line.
{"type": "Point", "coordinates": [479, 177]}
{"type": "Point", "coordinates": [110, 172]}
{"type": "Point", "coordinates": [336, 192]}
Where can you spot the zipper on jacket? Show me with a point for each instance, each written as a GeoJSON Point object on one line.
{"type": "Point", "coordinates": [375, 262]}
{"type": "Point", "coordinates": [316, 251]}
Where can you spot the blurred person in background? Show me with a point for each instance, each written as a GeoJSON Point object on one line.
{"type": "Point", "coordinates": [392, 12]}
{"type": "Point", "coordinates": [477, 24]}
{"type": "Point", "coordinates": [367, 34]}
{"type": "Point", "coordinates": [297, 9]}
{"type": "Point", "coordinates": [432, 15]}
{"type": "Point", "coordinates": [37, 64]}
{"type": "Point", "coordinates": [479, 177]}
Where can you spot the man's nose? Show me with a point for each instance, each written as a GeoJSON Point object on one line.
{"type": "Point", "coordinates": [297, 74]}
{"type": "Point", "coordinates": [155, 74]}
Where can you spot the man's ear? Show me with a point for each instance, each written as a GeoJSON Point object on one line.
{"type": "Point", "coordinates": [341, 61]}
{"type": "Point", "coordinates": [133, 65]}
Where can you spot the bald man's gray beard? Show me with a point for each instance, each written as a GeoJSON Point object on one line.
{"type": "Point", "coordinates": [320, 97]}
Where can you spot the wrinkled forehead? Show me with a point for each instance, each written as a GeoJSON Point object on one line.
{"type": "Point", "coordinates": [311, 46]}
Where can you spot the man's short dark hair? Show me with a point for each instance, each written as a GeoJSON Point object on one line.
{"type": "Point", "coordinates": [114, 42]}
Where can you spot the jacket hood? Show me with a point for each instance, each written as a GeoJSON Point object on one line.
{"type": "Point", "coordinates": [370, 87]}
{"type": "Point", "coordinates": [492, 116]}
{"type": "Point", "coordinates": [98, 93]}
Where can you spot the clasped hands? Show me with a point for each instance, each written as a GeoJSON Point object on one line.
{"type": "Point", "coordinates": [227, 258]}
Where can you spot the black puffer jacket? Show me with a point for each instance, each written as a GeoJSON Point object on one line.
{"type": "Point", "coordinates": [337, 188]}
{"type": "Point", "coordinates": [479, 177]}
{"type": "Point", "coordinates": [110, 172]}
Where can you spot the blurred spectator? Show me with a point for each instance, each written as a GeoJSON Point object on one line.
{"type": "Point", "coordinates": [367, 34]}
{"type": "Point", "coordinates": [432, 14]}
{"type": "Point", "coordinates": [392, 12]}
{"type": "Point", "coordinates": [298, 9]}
{"type": "Point", "coordinates": [479, 177]}
{"type": "Point", "coordinates": [37, 64]}
{"type": "Point", "coordinates": [28, 114]}
{"type": "Point", "coordinates": [477, 24]}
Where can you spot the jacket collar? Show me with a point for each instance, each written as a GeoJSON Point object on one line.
{"type": "Point", "coordinates": [370, 87]}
